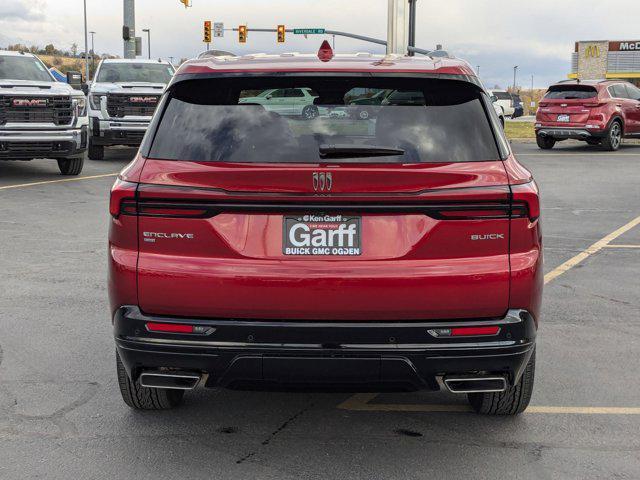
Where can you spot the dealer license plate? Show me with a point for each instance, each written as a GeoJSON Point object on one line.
{"type": "Point", "coordinates": [564, 118]}
{"type": "Point", "coordinates": [323, 235]}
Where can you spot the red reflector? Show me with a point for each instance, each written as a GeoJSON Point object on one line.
{"type": "Point", "coordinates": [169, 327]}
{"type": "Point", "coordinates": [474, 331]}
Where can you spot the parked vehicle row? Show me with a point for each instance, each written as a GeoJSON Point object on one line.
{"type": "Point", "coordinates": [41, 117]}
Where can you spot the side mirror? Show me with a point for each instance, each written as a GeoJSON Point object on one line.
{"type": "Point", "coordinates": [268, 97]}
{"type": "Point", "coordinates": [85, 88]}
{"type": "Point", "coordinates": [74, 79]}
{"type": "Point", "coordinates": [494, 99]}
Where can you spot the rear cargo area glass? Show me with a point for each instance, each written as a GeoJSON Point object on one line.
{"type": "Point", "coordinates": [299, 120]}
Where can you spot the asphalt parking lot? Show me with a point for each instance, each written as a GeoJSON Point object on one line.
{"type": "Point", "coordinates": [61, 415]}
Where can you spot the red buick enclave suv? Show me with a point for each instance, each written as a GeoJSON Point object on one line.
{"type": "Point", "coordinates": [252, 247]}
{"type": "Point", "coordinates": [597, 112]}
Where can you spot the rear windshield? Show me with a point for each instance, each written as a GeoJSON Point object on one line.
{"type": "Point", "coordinates": [312, 120]}
{"type": "Point", "coordinates": [23, 68]}
{"type": "Point", "coordinates": [571, 92]}
{"type": "Point", "coordinates": [135, 72]}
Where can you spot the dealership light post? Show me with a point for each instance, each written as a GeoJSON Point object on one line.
{"type": "Point", "coordinates": [515, 72]}
{"type": "Point", "coordinates": [412, 25]}
{"type": "Point", "coordinates": [86, 44]}
{"type": "Point", "coordinates": [148, 32]}
{"type": "Point", "coordinates": [93, 52]}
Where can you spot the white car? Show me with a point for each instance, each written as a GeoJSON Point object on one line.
{"type": "Point", "coordinates": [505, 100]}
{"type": "Point", "coordinates": [499, 110]}
{"type": "Point", "coordinates": [39, 116]}
{"type": "Point", "coordinates": [122, 99]}
{"type": "Point", "coordinates": [297, 102]}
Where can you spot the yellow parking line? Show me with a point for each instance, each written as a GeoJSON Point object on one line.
{"type": "Point", "coordinates": [63, 180]}
{"type": "Point", "coordinates": [361, 402]}
{"type": "Point", "coordinates": [622, 246]}
{"type": "Point", "coordinates": [595, 248]}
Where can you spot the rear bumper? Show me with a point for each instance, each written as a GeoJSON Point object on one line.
{"type": "Point", "coordinates": [354, 355]}
{"type": "Point", "coordinates": [29, 144]}
{"type": "Point", "coordinates": [565, 133]}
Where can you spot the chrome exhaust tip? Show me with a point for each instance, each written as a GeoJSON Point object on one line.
{"type": "Point", "coordinates": [478, 384]}
{"type": "Point", "coordinates": [173, 380]}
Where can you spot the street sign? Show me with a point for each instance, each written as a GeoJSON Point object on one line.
{"type": "Point", "coordinates": [308, 31]}
{"type": "Point", "coordinates": [218, 29]}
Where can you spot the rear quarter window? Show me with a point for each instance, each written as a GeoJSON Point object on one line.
{"type": "Point", "coordinates": [242, 121]}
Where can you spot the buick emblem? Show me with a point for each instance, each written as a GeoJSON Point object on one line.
{"type": "Point", "coordinates": [25, 102]}
{"type": "Point", "coordinates": [322, 182]}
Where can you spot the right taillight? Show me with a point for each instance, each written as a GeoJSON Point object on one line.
{"type": "Point", "coordinates": [526, 200]}
{"type": "Point", "coordinates": [120, 192]}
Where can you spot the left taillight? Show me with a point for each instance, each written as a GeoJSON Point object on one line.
{"type": "Point", "coordinates": [122, 193]}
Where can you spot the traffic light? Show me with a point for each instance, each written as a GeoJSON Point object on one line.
{"type": "Point", "coordinates": [207, 32]}
{"type": "Point", "coordinates": [242, 34]}
{"type": "Point", "coordinates": [186, 3]}
{"type": "Point", "coordinates": [281, 33]}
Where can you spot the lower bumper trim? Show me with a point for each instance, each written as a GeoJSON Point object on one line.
{"type": "Point", "coordinates": [264, 354]}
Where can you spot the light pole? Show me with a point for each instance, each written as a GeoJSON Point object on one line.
{"type": "Point", "coordinates": [93, 52]}
{"type": "Point", "coordinates": [171, 60]}
{"type": "Point", "coordinates": [515, 72]}
{"type": "Point", "coordinates": [412, 25]}
{"type": "Point", "coordinates": [86, 44]}
{"type": "Point", "coordinates": [148, 31]}
{"type": "Point", "coordinates": [478, 70]}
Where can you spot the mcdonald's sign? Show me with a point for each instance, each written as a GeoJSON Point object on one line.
{"type": "Point", "coordinates": [592, 51]}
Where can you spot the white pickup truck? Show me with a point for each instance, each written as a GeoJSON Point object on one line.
{"type": "Point", "coordinates": [39, 116]}
{"type": "Point", "coordinates": [122, 98]}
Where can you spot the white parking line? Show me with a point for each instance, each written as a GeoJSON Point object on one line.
{"type": "Point", "coordinates": [63, 180]}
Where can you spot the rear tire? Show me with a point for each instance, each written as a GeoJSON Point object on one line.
{"type": "Point", "coordinates": [143, 398]}
{"type": "Point", "coordinates": [310, 112]}
{"type": "Point", "coordinates": [70, 166]}
{"type": "Point", "coordinates": [512, 401]}
{"type": "Point", "coordinates": [96, 152]}
{"type": "Point", "coordinates": [545, 143]}
{"type": "Point", "coordinates": [613, 139]}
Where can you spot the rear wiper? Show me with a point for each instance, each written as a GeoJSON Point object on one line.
{"type": "Point", "coordinates": [356, 151]}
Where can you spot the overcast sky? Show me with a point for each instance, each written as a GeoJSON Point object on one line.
{"type": "Point", "coordinates": [537, 35]}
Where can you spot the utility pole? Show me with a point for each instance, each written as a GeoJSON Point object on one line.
{"type": "Point", "coordinates": [86, 44]}
{"type": "Point", "coordinates": [130, 23]}
{"type": "Point", "coordinates": [93, 52]}
{"type": "Point", "coordinates": [148, 32]}
{"type": "Point", "coordinates": [398, 27]}
{"type": "Point", "coordinates": [412, 25]}
{"type": "Point", "coordinates": [515, 72]}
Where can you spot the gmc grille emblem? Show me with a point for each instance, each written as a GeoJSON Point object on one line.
{"type": "Point", "coordinates": [25, 102]}
{"type": "Point", "coordinates": [322, 182]}
{"type": "Point", "coordinates": [143, 99]}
